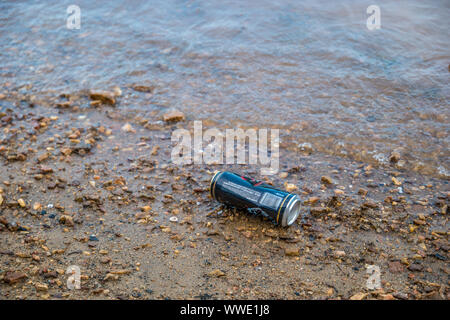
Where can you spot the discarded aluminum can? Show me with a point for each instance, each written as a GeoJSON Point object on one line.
{"type": "Point", "coordinates": [255, 196]}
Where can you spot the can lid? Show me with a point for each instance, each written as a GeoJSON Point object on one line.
{"type": "Point", "coordinates": [291, 212]}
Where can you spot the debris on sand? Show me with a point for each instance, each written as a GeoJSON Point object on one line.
{"type": "Point", "coordinates": [13, 277]}
{"type": "Point", "coordinates": [292, 252]}
{"type": "Point", "coordinates": [359, 296]}
{"type": "Point", "coordinates": [22, 203]}
{"type": "Point", "coordinates": [67, 220]}
{"type": "Point", "coordinates": [174, 116]}
{"type": "Point", "coordinates": [142, 88]}
{"type": "Point", "coordinates": [290, 187]}
{"type": "Point", "coordinates": [216, 273]}
{"type": "Point", "coordinates": [105, 97]}
{"type": "Point", "coordinates": [41, 286]}
{"type": "Point", "coordinates": [326, 180]}
{"type": "Point", "coordinates": [128, 128]}
{"type": "Point", "coordinates": [394, 157]}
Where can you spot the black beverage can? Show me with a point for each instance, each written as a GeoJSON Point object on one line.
{"type": "Point", "coordinates": [248, 194]}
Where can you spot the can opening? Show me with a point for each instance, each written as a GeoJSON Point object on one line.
{"type": "Point", "coordinates": [292, 212]}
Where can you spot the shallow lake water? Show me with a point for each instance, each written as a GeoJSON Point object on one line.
{"type": "Point", "coordinates": [310, 68]}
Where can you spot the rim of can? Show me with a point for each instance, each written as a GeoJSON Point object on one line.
{"type": "Point", "coordinates": [291, 212]}
{"type": "Point", "coordinates": [211, 186]}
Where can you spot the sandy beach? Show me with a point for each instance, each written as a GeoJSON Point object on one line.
{"type": "Point", "coordinates": [87, 180]}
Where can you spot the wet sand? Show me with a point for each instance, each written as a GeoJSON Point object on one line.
{"type": "Point", "coordinates": [100, 197]}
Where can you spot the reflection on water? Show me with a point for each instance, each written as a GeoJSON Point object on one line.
{"type": "Point", "coordinates": [310, 67]}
